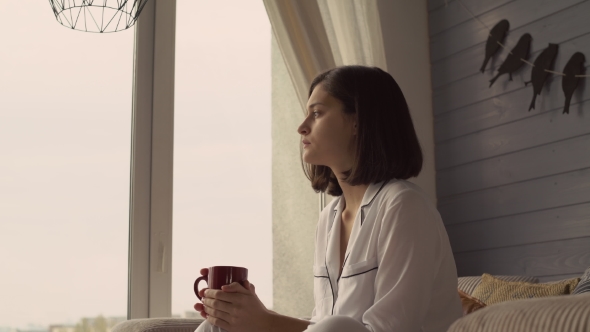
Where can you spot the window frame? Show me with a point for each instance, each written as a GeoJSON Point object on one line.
{"type": "Point", "coordinates": [152, 146]}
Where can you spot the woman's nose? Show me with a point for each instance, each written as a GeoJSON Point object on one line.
{"type": "Point", "coordinates": [303, 129]}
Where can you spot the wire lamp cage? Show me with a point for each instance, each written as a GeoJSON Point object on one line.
{"type": "Point", "coordinates": [97, 16]}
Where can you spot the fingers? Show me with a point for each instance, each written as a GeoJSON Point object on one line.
{"type": "Point", "coordinates": [216, 316]}
{"type": "Point", "coordinates": [250, 287]}
{"type": "Point", "coordinates": [217, 305]}
{"type": "Point", "coordinates": [218, 295]}
{"type": "Point", "coordinates": [204, 271]}
{"type": "Point", "coordinates": [235, 287]}
{"type": "Point", "coordinates": [218, 322]}
{"type": "Point", "coordinates": [201, 309]}
{"type": "Point", "coordinates": [198, 307]}
{"type": "Point", "coordinates": [227, 292]}
{"type": "Point", "coordinates": [202, 292]}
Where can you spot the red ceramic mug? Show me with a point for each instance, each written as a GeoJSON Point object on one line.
{"type": "Point", "coordinates": [222, 275]}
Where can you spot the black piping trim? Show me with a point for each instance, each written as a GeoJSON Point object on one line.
{"type": "Point", "coordinates": [343, 263]}
{"type": "Point", "coordinates": [321, 276]}
{"type": "Point", "coordinates": [362, 216]}
{"type": "Point", "coordinates": [353, 275]}
{"type": "Point", "coordinates": [333, 298]}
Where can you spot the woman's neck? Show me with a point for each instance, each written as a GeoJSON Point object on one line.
{"type": "Point", "coordinates": [353, 195]}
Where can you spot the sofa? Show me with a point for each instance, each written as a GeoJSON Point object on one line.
{"type": "Point", "coordinates": [559, 313]}
{"type": "Point", "coordinates": [569, 312]}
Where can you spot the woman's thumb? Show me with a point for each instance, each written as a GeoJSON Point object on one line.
{"type": "Point", "coordinates": [249, 286]}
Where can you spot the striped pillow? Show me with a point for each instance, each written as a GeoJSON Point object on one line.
{"type": "Point", "coordinates": [584, 284]}
{"type": "Point", "coordinates": [468, 284]}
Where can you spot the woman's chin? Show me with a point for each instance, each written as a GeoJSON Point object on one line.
{"type": "Point", "coordinates": [313, 162]}
{"type": "Point", "coordinates": [309, 159]}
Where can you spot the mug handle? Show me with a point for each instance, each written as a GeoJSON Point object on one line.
{"type": "Point", "coordinates": [199, 279]}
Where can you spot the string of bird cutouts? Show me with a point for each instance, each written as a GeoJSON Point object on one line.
{"type": "Point", "coordinates": [542, 67]}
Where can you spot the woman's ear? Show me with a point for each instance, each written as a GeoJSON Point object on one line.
{"type": "Point", "coordinates": [353, 120]}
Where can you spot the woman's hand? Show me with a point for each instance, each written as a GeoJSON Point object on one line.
{"type": "Point", "coordinates": [235, 308]}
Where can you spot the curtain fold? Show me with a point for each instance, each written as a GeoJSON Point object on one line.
{"type": "Point", "coordinates": [299, 31]}
{"type": "Point", "coordinates": [354, 32]}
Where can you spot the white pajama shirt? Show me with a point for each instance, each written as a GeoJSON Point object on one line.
{"type": "Point", "coordinates": [399, 274]}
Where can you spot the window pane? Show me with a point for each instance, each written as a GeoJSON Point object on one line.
{"type": "Point", "coordinates": [222, 179]}
{"type": "Point", "coordinates": [65, 128]}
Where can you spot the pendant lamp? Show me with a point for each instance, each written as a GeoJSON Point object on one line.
{"type": "Point", "coordinates": [97, 16]}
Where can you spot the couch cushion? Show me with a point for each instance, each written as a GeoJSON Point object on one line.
{"type": "Point", "coordinates": [493, 290]}
{"type": "Point", "coordinates": [468, 284]}
{"type": "Point", "coordinates": [547, 314]}
{"type": "Point", "coordinates": [584, 284]}
{"type": "Point", "coordinates": [158, 325]}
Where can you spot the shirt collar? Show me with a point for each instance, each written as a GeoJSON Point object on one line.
{"type": "Point", "coordinates": [370, 194]}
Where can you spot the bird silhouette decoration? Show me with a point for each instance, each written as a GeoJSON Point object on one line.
{"type": "Point", "coordinates": [539, 75]}
{"type": "Point", "coordinates": [569, 83]}
{"type": "Point", "coordinates": [497, 35]}
{"type": "Point", "coordinates": [513, 60]}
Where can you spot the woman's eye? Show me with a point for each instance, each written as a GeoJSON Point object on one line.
{"type": "Point", "coordinates": [315, 114]}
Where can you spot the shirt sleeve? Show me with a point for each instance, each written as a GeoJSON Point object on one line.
{"type": "Point", "coordinates": [313, 319]}
{"type": "Point", "coordinates": [408, 256]}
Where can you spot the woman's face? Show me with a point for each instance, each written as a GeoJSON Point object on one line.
{"type": "Point", "coordinates": [327, 133]}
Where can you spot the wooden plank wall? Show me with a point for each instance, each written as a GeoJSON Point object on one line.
{"type": "Point", "coordinates": [513, 186]}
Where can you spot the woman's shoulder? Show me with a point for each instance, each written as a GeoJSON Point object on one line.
{"type": "Point", "coordinates": [409, 200]}
{"type": "Point", "coordinates": [396, 190]}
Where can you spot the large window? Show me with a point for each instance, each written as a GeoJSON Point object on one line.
{"type": "Point", "coordinates": [65, 133]}
{"type": "Point", "coordinates": [65, 127]}
{"type": "Point", "coordinates": [222, 155]}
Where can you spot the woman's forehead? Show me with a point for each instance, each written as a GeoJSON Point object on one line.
{"type": "Point", "coordinates": [320, 96]}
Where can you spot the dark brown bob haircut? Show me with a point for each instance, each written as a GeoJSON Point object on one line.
{"type": "Point", "coordinates": [386, 145]}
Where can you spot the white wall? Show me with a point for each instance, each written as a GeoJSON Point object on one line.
{"type": "Point", "coordinates": [404, 26]}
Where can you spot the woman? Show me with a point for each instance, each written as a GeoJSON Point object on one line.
{"type": "Point", "coordinates": [382, 258]}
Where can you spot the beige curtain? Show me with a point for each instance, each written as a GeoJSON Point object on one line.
{"type": "Point", "coordinates": [301, 36]}
{"type": "Point", "coordinates": [316, 35]}
{"type": "Point", "coordinates": [354, 31]}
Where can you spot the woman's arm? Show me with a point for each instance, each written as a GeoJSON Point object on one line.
{"type": "Point", "coordinates": [238, 309]}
